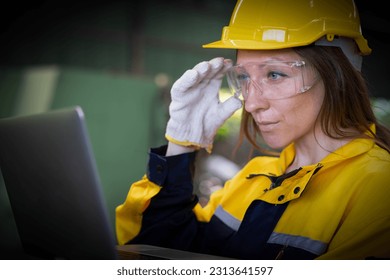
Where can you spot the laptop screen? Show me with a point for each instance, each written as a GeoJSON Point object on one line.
{"type": "Point", "coordinates": [53, 186]}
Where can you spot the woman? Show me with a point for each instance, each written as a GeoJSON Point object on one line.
{"type": "Point", "coordinates": [325, 196]}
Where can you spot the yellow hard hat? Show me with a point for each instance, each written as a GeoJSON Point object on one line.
{"type": "Point", "coordinates": [278, 24]}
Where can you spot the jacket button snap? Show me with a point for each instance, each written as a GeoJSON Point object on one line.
{"type": "Point", "coordinates": [296, 190]}
{"type": "Point", "coordinates": [159, 168]}
{"type": "Point", "coordinates": [280, 198]}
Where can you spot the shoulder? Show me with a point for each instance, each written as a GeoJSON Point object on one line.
{"type": "Point", "coordinates": [376, 162]}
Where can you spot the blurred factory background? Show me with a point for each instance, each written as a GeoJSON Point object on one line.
{"type": "Point", "coordinates": [117, 60]}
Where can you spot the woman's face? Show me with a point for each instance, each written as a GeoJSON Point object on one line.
{"type": "Point", "coordinates": [283, 112]}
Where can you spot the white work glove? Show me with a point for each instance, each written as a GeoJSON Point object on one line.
{"type": "Point", "coordinates": [195, 111]}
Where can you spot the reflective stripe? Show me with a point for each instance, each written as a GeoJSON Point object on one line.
{"type": "Point", "coordinates": [301, 242]}
{"type": "Point", "coordinates": [227, 218]}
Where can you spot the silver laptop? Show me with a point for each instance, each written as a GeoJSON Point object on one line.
{"type": "Point", "coordinates": [53, 186]}
{"type": "Point", "coordinates": [55, 192]}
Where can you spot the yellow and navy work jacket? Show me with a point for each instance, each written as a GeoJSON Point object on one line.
{"type": "Point", "coordinates": [338, 208]}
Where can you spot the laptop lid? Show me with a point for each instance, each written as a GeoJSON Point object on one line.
{"type": "Point", "coordinates": [53, 186]}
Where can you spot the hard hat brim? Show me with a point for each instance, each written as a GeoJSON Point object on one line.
{"type": "Point", "coordinates": [258, 45]}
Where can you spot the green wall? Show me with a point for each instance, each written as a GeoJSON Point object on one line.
{"type": "Point", "coordinates": [121, 113]}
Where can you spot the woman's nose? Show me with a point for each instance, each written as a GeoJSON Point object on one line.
{"type": "Point", "coordinates": [255, 100]}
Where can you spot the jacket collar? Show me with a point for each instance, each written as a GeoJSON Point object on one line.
{"type": "Point", "coordinates": [351, 149]}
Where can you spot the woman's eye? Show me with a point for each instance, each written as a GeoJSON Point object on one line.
{"type": "Point", "coordinates": [243, 77]}
{"type": "Point", "coordinates": [276, 75]}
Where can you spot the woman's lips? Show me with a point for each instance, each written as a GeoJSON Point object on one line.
{"type": "Point", "coordinates": [266, 126]}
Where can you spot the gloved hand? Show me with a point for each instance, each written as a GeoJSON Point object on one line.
{"type": "Point", "coordinates": [195, 111]}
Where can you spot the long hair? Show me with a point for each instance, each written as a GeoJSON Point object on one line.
{"type": "Point", "coordinates": [346, 106]}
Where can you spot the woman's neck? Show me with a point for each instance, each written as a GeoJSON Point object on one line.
{"type": "Point", "coordinates": [311, 151]}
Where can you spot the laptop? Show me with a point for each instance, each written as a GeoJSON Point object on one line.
{"type": "Point", "coordinates": [53, 186]}
{"type": "Point", "coordinates": [56, 195]}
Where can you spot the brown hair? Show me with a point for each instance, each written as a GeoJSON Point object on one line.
{"type": "Point", "coordinates": [346, 103]}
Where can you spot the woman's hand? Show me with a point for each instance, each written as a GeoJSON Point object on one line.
{"type": "Point", "coordinates": [195, 111]}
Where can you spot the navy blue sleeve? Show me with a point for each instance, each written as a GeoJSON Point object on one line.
{"type": "Point", "coordinates": [169, 220]}
{"type": "Point", "coordinates": [173, 170]}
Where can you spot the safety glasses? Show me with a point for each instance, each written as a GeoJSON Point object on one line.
{"type": "Point", "coordinates": [271, 79]}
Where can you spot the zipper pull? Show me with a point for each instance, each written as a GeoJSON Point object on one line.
{"type": "Point", "coordinates": [279, 256]}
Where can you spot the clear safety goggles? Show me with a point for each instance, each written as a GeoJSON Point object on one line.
{"type": "Point", "coordinates": [271, 79]}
